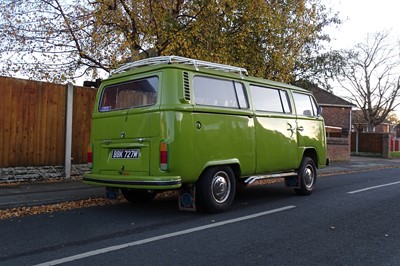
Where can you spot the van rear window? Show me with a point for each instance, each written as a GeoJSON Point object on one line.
{"type": "Point", "coordinates": [131, 94]}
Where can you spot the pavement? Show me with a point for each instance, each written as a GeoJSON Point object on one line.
{"type": "Point", "coordinates": [44, 193]}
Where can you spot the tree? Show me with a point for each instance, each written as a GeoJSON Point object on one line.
{"type": "Point", "coordinates": [372, 77]}
{"type": "Point", "coordinates": [393, 119]}
{"type": "Point", "coordinates": [59, 39]}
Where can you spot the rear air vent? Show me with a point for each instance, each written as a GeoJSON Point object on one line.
{"type": "Point", "coordinates": [186, 87]}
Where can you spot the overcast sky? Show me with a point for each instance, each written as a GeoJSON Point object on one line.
{"type": "Point", "coordinates": [362, 17]}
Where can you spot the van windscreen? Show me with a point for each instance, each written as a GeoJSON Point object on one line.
{"type": "Point", "coordinates": [131, 94]}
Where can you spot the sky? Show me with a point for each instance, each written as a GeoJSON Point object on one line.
{"type": "Point", "coordinates": [362, 17]}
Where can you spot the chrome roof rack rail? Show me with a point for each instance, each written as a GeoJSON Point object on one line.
{"type": "Point", "coordinates": [180, 60]}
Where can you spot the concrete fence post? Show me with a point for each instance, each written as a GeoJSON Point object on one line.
{"type": "Point", "coordinates": [386, 146]}
{"type": "Point", "coordinates": [357, 143]}
{"type": "Point", "coordinates": [68, 130]}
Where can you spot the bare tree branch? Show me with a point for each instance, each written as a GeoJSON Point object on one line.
{"type": "Point", "coordinates": [372, 78]}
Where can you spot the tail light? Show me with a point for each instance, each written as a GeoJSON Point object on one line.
{"type": "Point", "coordinates": [90, 155]}
{"type": "Point", "coordinates": [163, 156]}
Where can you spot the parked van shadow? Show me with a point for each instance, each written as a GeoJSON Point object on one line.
{"type": "Point", "coordinates": [167, 202]}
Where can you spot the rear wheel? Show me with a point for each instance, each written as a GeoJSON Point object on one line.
{"type": "Point", "coordinates": [138, 195]}
{"type": "Point", "coordinates": [307, 176]}
{"type": "Point", "coordinates": [215, 189]}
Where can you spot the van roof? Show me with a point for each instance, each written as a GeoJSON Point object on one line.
{"type": "Point", "coordinates": [179, 61]}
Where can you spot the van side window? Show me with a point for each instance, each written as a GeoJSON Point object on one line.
{"type": "Point", "coordinates": [305, 105]}
{"type": "Point", "coordinates": [270, 100]}
{"type": "Point", "coordinates": [130, 94]}
{"type": "Point", "coordinates": [219, 92]}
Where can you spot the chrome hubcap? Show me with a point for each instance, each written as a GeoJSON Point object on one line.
{"type": "Point", "coordinates": [220, 187]}
{"type": "Point", "coordinates": [309, 177]}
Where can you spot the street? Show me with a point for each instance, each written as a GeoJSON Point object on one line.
{"type": "Point", "coordinates": [350, 219]}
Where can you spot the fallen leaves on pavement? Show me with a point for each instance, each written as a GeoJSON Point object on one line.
{"type": "Point", "coordinates": [63, 206]}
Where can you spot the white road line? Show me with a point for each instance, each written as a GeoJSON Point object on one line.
{"type": "Point", "coordinates": [369, 188]}
{"type": "Point", "coordinates": [161, 237]}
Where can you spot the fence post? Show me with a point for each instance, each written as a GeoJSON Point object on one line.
{"type": "Point", "coordinates": [68, 130]}
{"type": "Point", "coordinates": [357, 143]}
{"type": "Point", "coordinates": [386, 146]}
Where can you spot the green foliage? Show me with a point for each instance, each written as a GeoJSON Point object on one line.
{"type": "Point", "coordinates": [395, 155]}
{"type": "Point", "coordinates": [276, 39]}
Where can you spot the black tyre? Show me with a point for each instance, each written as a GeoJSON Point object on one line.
{"type": "Point", "coordinates": [307, 176]}
{"type": "Point", "coordinates": [138, 195]}
{"type": "Point", "coordinates": [215, 189]}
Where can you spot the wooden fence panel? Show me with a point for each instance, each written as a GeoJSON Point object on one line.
{"type": "Point", "coordinates": [84, 99]}
{"type": "Point", "coordinates": [368, 142]}
{"type": "Point", "coordinates": [32, 122]}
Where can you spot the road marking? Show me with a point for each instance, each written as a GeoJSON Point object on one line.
{"type": "Point", "coordinates": [161, 237]}
{"type": "Point", "coordinates": [369, 188]}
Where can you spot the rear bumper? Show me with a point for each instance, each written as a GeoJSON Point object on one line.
{"type": "Point", "coordinates": [141, 182]}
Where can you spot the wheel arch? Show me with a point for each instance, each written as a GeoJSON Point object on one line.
{"type": "Point", "coordinates": [311, 153]}
{"type": "Point", "coordinates": [234, 164]}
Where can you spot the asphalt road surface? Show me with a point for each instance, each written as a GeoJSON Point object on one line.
{"type": "Point", "coordinates": [351, 219]}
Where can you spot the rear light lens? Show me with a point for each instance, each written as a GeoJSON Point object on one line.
{"type": "Point", "coordinates": [90, 155]}
{"type": "Point", "coordinates": [163, 156]}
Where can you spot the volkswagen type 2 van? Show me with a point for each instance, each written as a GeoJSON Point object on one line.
{"type": "Point", "coordinates": [168, 123]}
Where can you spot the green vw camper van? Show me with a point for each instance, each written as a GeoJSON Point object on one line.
{"type": "Point", "coordinates": [171, 122]}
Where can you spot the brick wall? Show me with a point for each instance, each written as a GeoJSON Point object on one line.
{"type": "Point", "coordinates": [337, 116]}
{"type": "Point", "coordinates": [39, 173]}
{"type": "Point", "coordinates": [338, 149]}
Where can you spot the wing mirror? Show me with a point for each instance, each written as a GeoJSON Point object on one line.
{"type": "Point", "coordinates": [319, 111]}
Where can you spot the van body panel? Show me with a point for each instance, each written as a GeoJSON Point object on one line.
{"type": "Point", "coordinates": [144, 123]}
{"type": "Point", "coordinates": [277, 146]}
{"type": "Point", "coordinates": [222, 137]}
{"type": "Point", "coordinates": [177, 131]}
{"type": "Point", "coordinates": [311, 134]}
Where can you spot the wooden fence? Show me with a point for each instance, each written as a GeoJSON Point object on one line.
{"type": "Point", "coordinates": [374, 144]}
{"type": "Point", "coordinates": [32, 122]}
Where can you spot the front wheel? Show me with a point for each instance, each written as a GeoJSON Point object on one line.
{"type": "Point", "coordinates": [307, 176]}
{"type": "Point", "coordinates": [215, 189]}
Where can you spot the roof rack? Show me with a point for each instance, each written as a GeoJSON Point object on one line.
{"type": "Point", "coordinates": [180, 60]}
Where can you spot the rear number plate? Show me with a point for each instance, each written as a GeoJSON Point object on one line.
{"type": "Point", "coordinates": [125, 154]}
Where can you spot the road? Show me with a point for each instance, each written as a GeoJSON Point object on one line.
{"type": "Point", "coordinates": [350, 219]}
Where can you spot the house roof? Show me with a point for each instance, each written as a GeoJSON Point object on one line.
{"type": "Point", "coordinates": [326, 98]}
